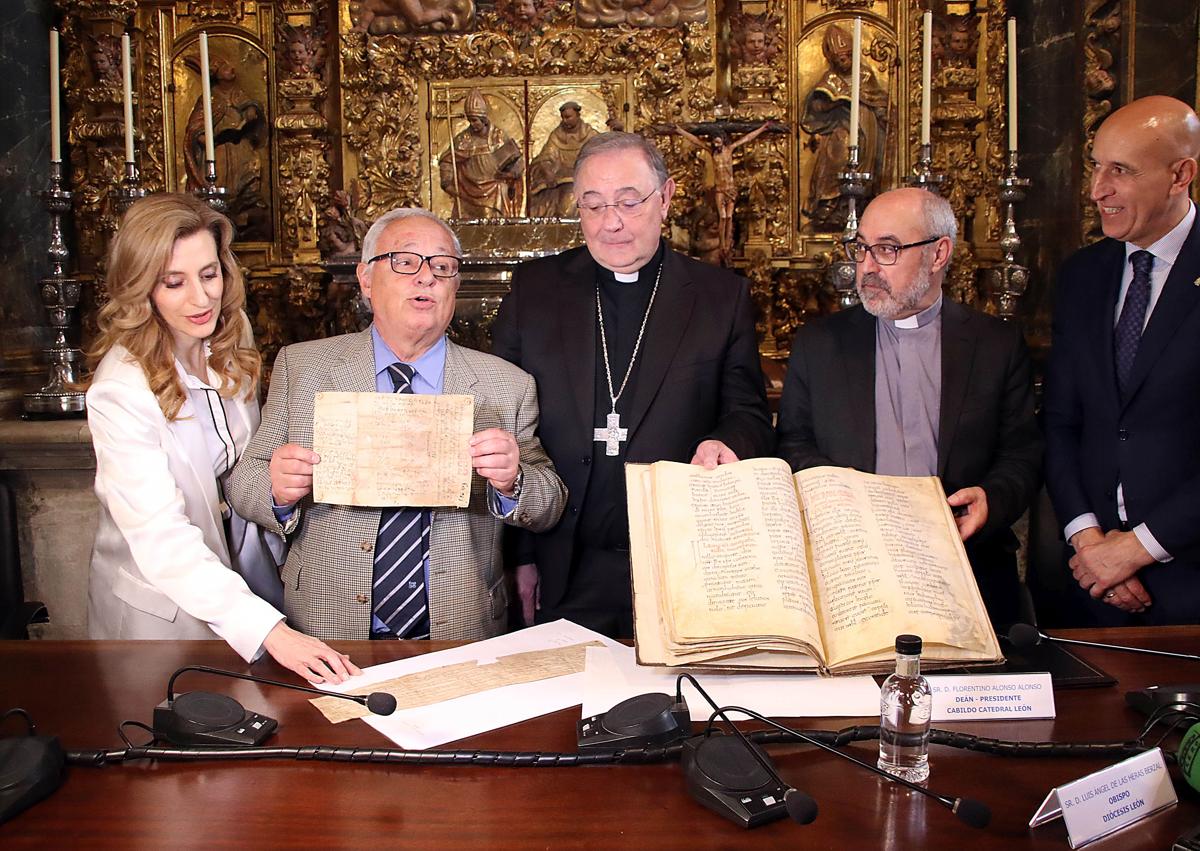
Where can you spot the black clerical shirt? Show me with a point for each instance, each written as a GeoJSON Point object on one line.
{"type": "Point", "coordinates": [602, 534]}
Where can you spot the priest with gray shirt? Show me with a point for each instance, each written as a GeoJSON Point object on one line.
{"type": "Point", "coordinates": [913, 384]}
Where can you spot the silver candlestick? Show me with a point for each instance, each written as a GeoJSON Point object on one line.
{"type": "Point", "coordinates": [129, 190]}
{"type": "Point", "coordinates": [923, 176]}
{"type": "Point", "coordinates": [854, 188]}
{"type": "Point", "coordinates": [1009, 280]}
{"type": "Point", "coordinates": [211, 194]}
{"type": "Point", "coordinates": [61, 395]}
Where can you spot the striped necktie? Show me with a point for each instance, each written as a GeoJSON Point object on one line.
{"type": "Point", "coordinates": [399, 598]}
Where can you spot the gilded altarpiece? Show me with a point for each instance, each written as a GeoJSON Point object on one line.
{"type": "Point", "coordinates": [329, 113]}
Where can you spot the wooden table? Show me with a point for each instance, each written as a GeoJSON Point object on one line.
{"type": "Point", "coordinates": [80, 691]}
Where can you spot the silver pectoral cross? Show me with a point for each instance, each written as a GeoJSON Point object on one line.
{"type": "Point", "coordinates": [612, 434]}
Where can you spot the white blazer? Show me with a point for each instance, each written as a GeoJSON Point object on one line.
{"type": "Point", "coordinates": [160, 563]}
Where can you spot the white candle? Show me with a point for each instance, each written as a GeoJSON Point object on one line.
{"type": "Point", "coordinates": [206, 87]}
{"type": "Point", "coordinates": [926, 64]}
{"type": "Point", "coordinates": [55, 118]}
{"type": "Point", "coordinates": [127, 95]}
{"type": "Point", "coordinates": [1012, 84]}
{"type": "Point", "coordinates": [855, 74]}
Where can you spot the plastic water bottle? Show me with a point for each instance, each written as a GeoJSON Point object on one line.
{"type": "Point", "coordinates": [905, 703]}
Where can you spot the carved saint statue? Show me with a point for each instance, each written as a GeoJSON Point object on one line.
{"type": "Point", "coordinates": [827, 118]}
{"type": "Point", "coordinates": [240, 137]}
{"type": "Point", "coordinates": [481, 168]}
{"type": "Point", "coordinates": [551, 184]}
{"type": "Point", "coordinates": [724, 188]}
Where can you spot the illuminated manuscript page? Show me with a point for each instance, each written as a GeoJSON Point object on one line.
{"type": "Point", "coordinates": [393, 449]}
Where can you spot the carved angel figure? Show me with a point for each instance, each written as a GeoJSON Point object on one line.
{"type": "Point", "coordinates": [104, 55]}
{"type": "Point", "coordinates": [303, 51]}
{"type": "Point", "coordinates": [380, 17]}
{"type": "Point", "coordinates": [640, 13]}
{"type": "Point", "coordinates": [756, 40]}
{"type": "Point", "coordinates": [523, 15]}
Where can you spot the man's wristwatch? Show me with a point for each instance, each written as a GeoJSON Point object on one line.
{"type": "Point", "coordinates": [516, 488]}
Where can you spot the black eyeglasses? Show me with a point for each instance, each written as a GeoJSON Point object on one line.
{"type": "Point", "coordinates": [885, 253]}
{"type": "Point", "coordinates": [409, 263]}
{"type": "Point", "coordinates": [626, 207]}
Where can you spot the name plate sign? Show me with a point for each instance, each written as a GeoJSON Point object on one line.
{"type": "Point", "coordinates": [991, 696]}
{"type": "Point", "coordinates": [1110, 799]}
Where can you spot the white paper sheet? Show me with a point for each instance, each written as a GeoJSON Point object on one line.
{"type": "Point", "coordinates": [613, 675]}
{"type": "Point", "coordinates": [448, 721]}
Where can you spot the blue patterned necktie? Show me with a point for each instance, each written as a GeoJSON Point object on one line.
{"type": "Point", "coordinates": [1133, 316]}
{"type": "Point", "coordinates": [398, 591]}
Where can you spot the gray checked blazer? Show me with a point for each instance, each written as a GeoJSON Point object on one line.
{"type": "Point", "coordinates": [328, 573]}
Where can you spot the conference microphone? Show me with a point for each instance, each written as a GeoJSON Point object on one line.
{"type": "Point", "coordinates": [731, 776]}
{"type": "Point", "coordinates": [974, 813]}
{"type": "Point", "coordinates": [217, 720]}
{"type": "Point", "coordinates": [1025, 637]}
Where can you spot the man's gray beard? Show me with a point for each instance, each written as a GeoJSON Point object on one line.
{"type": "Point", "coordinates": [889, 307]}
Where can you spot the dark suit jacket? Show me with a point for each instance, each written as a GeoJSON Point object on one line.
{"type": "Point", "coordinates": [1149, 442]}
{"type": "Point", "coordinates": [699, 375]}
{"type": "Point", "coordinates": [987, 434]}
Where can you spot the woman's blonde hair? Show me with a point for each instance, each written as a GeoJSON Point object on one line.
{"type": "Point", "coordinates": [137, 259]}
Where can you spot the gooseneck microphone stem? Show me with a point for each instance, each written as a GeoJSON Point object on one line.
{"type": "Point", "coordinates": [207, 670]}
{"type": "Point", "coordinates": [1024, 636]}
{"type": "Point", "coordinates": [972, 812]}
{"type": "Point", "coordinates": [1124, 648]}
{"type": "Point", "coordinates": [810, 740]}
{"type": "Point", "coordinates": [380, 703]}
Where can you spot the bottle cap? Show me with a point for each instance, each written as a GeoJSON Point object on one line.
{"type": "Point", "coordinates": [909, 645]}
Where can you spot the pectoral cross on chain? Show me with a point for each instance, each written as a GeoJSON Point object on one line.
{"type": "Point", "coordinates": [612, 434]}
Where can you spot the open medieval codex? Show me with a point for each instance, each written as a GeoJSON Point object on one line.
{"type": "Point", "coordinates": [750, 566]}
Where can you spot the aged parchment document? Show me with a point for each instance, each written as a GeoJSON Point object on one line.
{"type": "Point", "coordinates": [451, 681]}
{"type": "Point", "coordinates": [393, 449]}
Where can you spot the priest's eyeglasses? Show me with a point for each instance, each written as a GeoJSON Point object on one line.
{"type": "Point", "coordinates": [885, 253]}
{"type": "Point", "coordinates": [408, 263]}
{"type": "Point", "coordinates": [626, 208]}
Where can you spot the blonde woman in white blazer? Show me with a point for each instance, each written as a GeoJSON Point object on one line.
{"type": "Point", "coordinates": [172, 404]}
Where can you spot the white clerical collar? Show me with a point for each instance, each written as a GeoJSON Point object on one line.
{"type": "Point", "coordinates": [626, 277]}
{"type": "Point", "coordinates": [919, 319]}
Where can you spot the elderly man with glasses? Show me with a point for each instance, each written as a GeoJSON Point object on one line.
{"type": "Point", "coordinates": [400, 572]}
{"type": "Point", "coordinates": [641, 354]}
{"type": "Point", "coordinates": [912, 384]}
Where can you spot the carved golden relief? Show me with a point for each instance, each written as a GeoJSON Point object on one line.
{"type": "Point", "coordinates": [476, 110]}
{"type": "Point", "coordinates": [1101, 40]}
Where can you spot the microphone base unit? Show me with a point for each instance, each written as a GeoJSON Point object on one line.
{"type": "Point", "coordinates": [1153, 698]}
{"type": "Point", "coordinates": [204, 719]}
{"type": "Point", "coordinates": [724, 776]}
{"type": "Point", "coordinates": [31, 767]}
{"type": "Point", "coordinates": [642, 721]}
